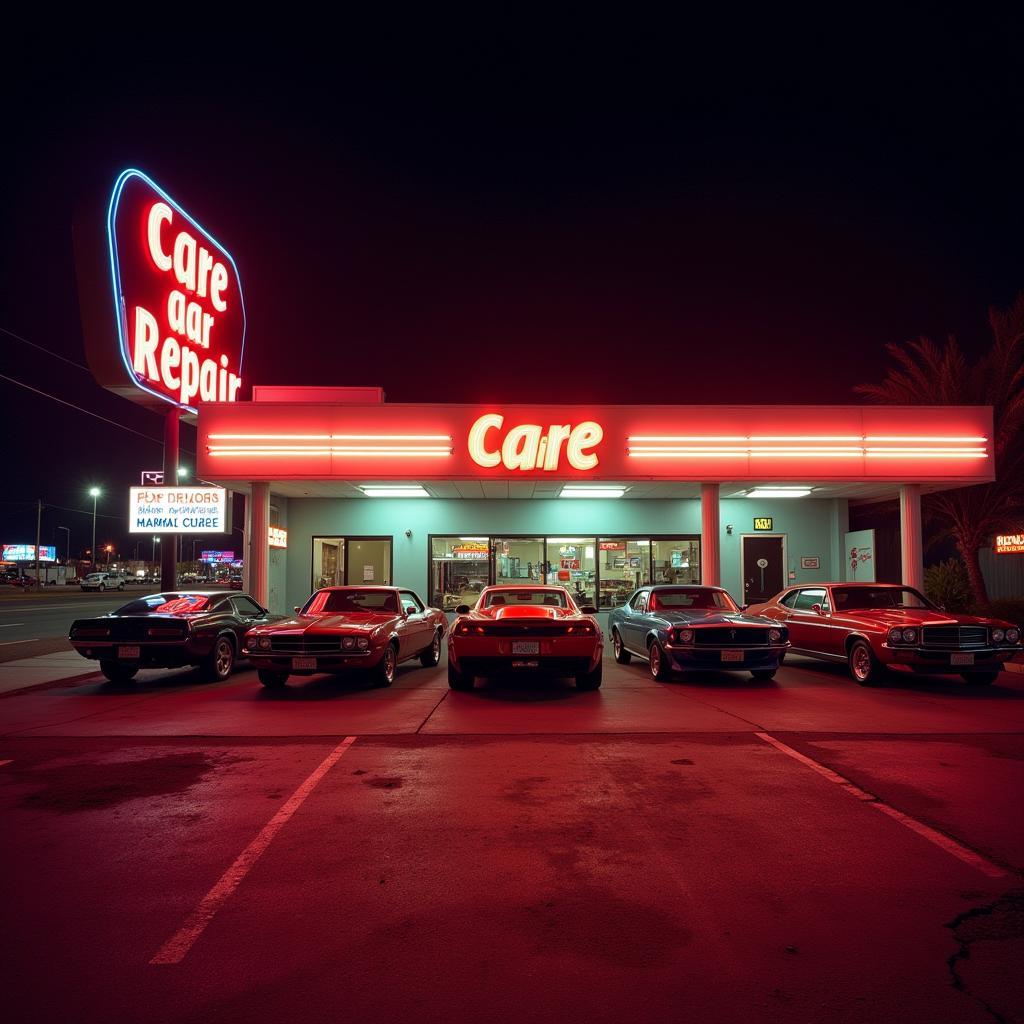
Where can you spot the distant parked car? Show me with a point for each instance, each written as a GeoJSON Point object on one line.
{"type": "Point", "coordinates": [104, 581]}
{"type": "Point", "coordinates": [170, 630]}
{"type": "Point", "coordinates": [343, 628]}
{"type": "Point", "coordinates": [682, 628]}
{"type": "Point", "coordinates": [872, 627]}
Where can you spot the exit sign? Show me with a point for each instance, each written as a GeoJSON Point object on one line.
{"type": "Point", "coordinates": [763, 522]}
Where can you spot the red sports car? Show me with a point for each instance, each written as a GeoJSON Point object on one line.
{"type": "Point", "coordinates": [525, 627]}
{"type": "Point", "coordinates": [877, 626]}
{"type": "Point", "coordinates": [341, 628]}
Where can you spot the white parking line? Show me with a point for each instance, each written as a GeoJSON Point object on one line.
{"type": "Point", "coordinates": [8, 625]}
{"type": "Point", "coordinates": [7, 643]}
{"type": "Point", "coordinates": [951, 846]}
{"type": "Point", "coordinates": [177, 946]}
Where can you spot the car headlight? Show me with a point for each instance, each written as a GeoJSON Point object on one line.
{"type": "Point", "coordinates": [997, 636]}
{"type": "Point", "coordinates": [263, 643]}
{"type": "Point", "coordinates": [686, 636]}
{"type": "Point", "coordinates": [1012, 636]}
{"type": "Point", "coordinates": [909, 636]}
{"type": "Point", "coordinates": [348, 642]}
{"type": "Point", "coordinates": [895, 636]}
{"type": "Point", "coordinates": [775, 635]}
{"type": "Point", "coordinates": [362, 643]}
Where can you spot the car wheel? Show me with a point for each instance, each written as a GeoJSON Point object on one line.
{"type": "Point", "coordinates": [384, 670]}
{"type": "Point", "coordinates": [622, 656]}
{"type": "Point", "coordinates": [432, 655]}
{"type": "Point", "coordinates": [115, 672]}
{"type": "Point", "coordinates": [590, 680]}
{"type": "Point", "coordinates": [272, 680]}
{"type": "Point", "coordinates": [864, 666]}
{"type": "Point", "coordinates": [763, 673]}
{"type": "Point", "coordinates": [120, 586]}
{"type": "Point", "coordinates": [221, 660]}
{"type": "Point", "coordinates": [658, 662]}
{"type": "Point", "coordinates": [980, 678]}
{"type": "Point", "coordinates": [459, 680]}
{"type": "Point", "coordinates": [102, 587]}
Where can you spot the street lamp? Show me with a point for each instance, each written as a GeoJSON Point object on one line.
{"type": "Point", "coordinates": [182, 471]}
{"type": "Point", "coordinates": [109, 549]}
{"type": "Point", "coordinates": [94, 492]}
{"type": "Point", "coordinates": [156, 540]}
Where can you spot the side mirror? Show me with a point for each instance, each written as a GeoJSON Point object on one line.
{"type": "Point", "coordinates": [297, 609]}
{"type": "Point", "coordinates": [462, 609]}
{"type": "Point", "coordinates": [744, 607]}
{"type": "Point", "coordinates": [817, 609]}
{"type": "Point", "coordinates": [588, 609]}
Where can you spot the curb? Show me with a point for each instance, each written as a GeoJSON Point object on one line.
{"type": "Point", "coordinates": [53, 684]}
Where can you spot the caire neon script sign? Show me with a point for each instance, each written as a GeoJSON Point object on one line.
{"type": "Point", "coordinates": [530, 446]}
{"type": "Point", "coordinates": [177, 296]}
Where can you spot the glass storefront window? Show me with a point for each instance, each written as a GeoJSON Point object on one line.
{"type": "Point", "coordinates": [518, 560]}
{"type": "Point", "coordinates": [675, 560]}
{"type": "Point", "coordinates": [459, 570]}
{"type": "Point", "coordinates": [572, 563]}
{"type": "Point", "coordinates": [625, 565]}
{"type": "Point", "coordinates": [328, 561]}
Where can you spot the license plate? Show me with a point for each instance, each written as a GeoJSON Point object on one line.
{"type": "Point", "coordinates": [299, 663]}
{"type": "Point", "coordinates": [128, 653]}
{"type": "Point", "coordinates": [732, 655]}
{"type": "Point", "coordinates": [525, 647]}
{"type": "Point", "coordinates": [525, 664]}
{"type": "Point", "coordinates": [961, 659]}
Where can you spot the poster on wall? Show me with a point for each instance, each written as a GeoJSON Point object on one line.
{"type": "Point", "coordinates": [860, 556]}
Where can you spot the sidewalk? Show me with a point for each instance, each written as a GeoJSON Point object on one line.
{"type": "Point", "coordinates": [64, 666]}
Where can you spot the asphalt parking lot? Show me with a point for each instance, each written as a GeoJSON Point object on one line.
{"type": "Point", "coordinates": [714, 849]}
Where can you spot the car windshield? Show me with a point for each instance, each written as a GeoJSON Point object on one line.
{"type": "Point", "coordinates": [354, 600]}
{"type": "Point", "coordinates": [519, 596]}
{"type": "Point", "coordinates": [182, 603]}
{"type": "Point", "coordinates": [852, 598]}
{"type": "Point", "coordinates": [95, 575]}
{"type": "Point", "coordinates": [692, 597]}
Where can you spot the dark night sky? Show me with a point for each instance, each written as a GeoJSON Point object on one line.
{"type": "Point", "coordinates": [621, 214]}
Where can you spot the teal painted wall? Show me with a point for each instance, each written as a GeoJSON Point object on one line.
{"type": "Point", "coordinates": [277, 580]}
{"type": "Point", "coordinates": [810, 526]}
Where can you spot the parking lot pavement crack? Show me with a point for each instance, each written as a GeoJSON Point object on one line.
{"type": "Point", "coordinates": [725, 711]}
{"type": "Point", "coordinates": [77, 718]}
{"type": "Point", "coordinates": [441, 700]}
{"type": "Point", "coordinates": [999, 921]}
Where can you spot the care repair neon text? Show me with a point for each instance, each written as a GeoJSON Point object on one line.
{"type": "Point", "coordinates": [530, 446]}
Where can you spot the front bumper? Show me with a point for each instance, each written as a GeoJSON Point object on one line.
{"type": "Point", "coordinates": [275, 661]}
{"type": "Point", "coordinates": [687, 657]}
{"type": "Point", "coordinates": [939, 661]}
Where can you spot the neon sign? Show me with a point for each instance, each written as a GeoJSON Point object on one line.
{"type": "Point", "coordinates": [177, 298]}
{"type": "Point", "coordinates": [1010, 544]}
{"type": "Point", "coordinates": [528, 446]}
{"type": "Point", "coordinates": [277, 537]}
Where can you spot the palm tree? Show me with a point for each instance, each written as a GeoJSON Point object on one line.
{"type": "Point", "coordinates": [931, 374]}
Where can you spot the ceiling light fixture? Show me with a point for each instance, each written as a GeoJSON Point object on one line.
{"type": "Point", "coordinates": [592, 492]}
{"type": "Point", "coordinates": [779, 492]}
{"type": "Point", "coordinates": [408, 491]}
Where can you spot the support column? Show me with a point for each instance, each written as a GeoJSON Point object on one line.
{"type": "Point", "coordinates": [168, 541]}
{"type": "Point", "coordinates": [710, 556]}
{"type": "Point", "coordinates": [911, 547]}
{"type": "Point", "coordinates": [259, 550]}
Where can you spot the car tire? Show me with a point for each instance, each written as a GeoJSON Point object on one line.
{"type": "Point", "coordinates": [384, 670]}
{"type": "Point", "coordinates": [432, 654]}
{"type": "Point", "coordinates": [102, 587]}
{"type": "Point", "coordinates": [120, 586]}
{"type": "Point", "coordinates": [272, 680]}
{"type": "Point", "coordinates": [590, 680]}
{"type": "Point", "coordinates": [459, 680]}
{"type": "Point", "coordinates": [622, 656]}
{"type": "Point", "coordinates": [763, 673]}
{"type": "Point", "coordinates": [115, 672]}
{"type": "Point", "coordinates": [658, 662]}
{"type": "Point", "coordinates": [221, 662]}
{"type": "Point", "coordinates": [980, 678]}
{"type": "Point", "coordinates": [865, 668]}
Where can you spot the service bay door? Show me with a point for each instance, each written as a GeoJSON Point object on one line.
{"type": "Point", "coordinates": [764, 568]}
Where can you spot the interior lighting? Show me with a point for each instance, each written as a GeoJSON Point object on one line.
{"type": "Point", "coordinates": [592, 492]}
{"type": "Point", "coordinates": [408, 491]}
{"type": "Point", "coordinates": [779, 492]}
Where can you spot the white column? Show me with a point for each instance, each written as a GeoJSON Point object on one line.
{"type": "Point", "coordinates": [911, 548]}
{"type": "Point", "coordinates": [710, 558]}
{"type": "Point", "coordinates": [259, 550]}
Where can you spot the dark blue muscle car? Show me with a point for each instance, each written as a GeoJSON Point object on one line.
{"type": "Point", "coordinates": [682, 628]}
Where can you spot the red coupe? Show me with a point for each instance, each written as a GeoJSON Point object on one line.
{"type": "Point", "coordinates": [517, 628]}
{"type": "Point", "coordinates": [342, 628]}
{"type": "Point", "coordinates": [877, 626]}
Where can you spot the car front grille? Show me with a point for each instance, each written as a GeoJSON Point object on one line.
{"type": "Point", "coordinates": [305, 644]}
{"type": "Point", "coordinates": [954, 636]}
{"type": "Point", "coordinates": [730, 636]}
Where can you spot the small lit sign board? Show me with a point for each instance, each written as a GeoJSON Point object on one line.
{"type": "Point", "coordinates": [152, 478]}
{"type": "Point", "coordinates": [277, 537]}
{"type": "Point", "coordinates": [177, 510]}
{"type": "Point", "coordinates": [27, 553]}
{"type": "Point", "coordinates": [217, 556]}
{"type": "Point", "coordinates": [810, 561]}
{"type": "Point", "coordinates": [612, 545]}
{"type": "Point", "coordinates": [763, 523]}
{"type": "Point", "coordinates": [1006, 544]}
{"type": "Point", "coordinates": [472, 550]}
{"type": "Point", "coordinates": [178, 316]}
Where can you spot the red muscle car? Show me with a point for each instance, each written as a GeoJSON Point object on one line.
{"type": "Point", "coordinates": [877, 626]}
{"type": "Point", "coordinates": [342, 628]}
{"type": "Point", "coordinates": [525, 627]}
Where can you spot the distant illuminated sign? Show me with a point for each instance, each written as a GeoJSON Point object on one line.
{"type": "Point", "coordinates": [177, 300]}
{"type": "Point", "coordinates": [177, 510]}
{"type": "Point", "coordinates": [217, 556]}
{"type": "Point", "coordinates": [277, 537]}
{"type": "Point", "coordinates": [1006, 544]}
{"type": "Point", "coordinates": [612, 545]}
{"type": "Point", "coordinates": [152, 478]}
{"type": "Point", "coordinates": [763, 523]}
{"type": "Point", "coordinates": [27, 553]}
{"type": "Point", "coordinates": [531, 446]}
{"type": "Point", "coordinates": [471, 550]}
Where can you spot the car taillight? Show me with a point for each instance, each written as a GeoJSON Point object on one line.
{"type": "Point", "coordinates": [583, 629]}
{"type": "Point", "coordinates": [91, 632]}
{"type": "Point", "coordinates": [158, 631]}
{"type": "Point", "coordinates": [464, 629]}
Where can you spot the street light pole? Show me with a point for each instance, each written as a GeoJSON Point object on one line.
{"type": "Point", "coordinates": [95, 492]}
{"type": "Point", "coordinates": [67, 552]}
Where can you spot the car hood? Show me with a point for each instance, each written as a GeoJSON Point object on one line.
{"type": "Point", "coordinates": [915, 617]}
{"type": "Point", "coordinates": [348, 622]}
{"type": "Point", "coordinates": [712, 617]}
